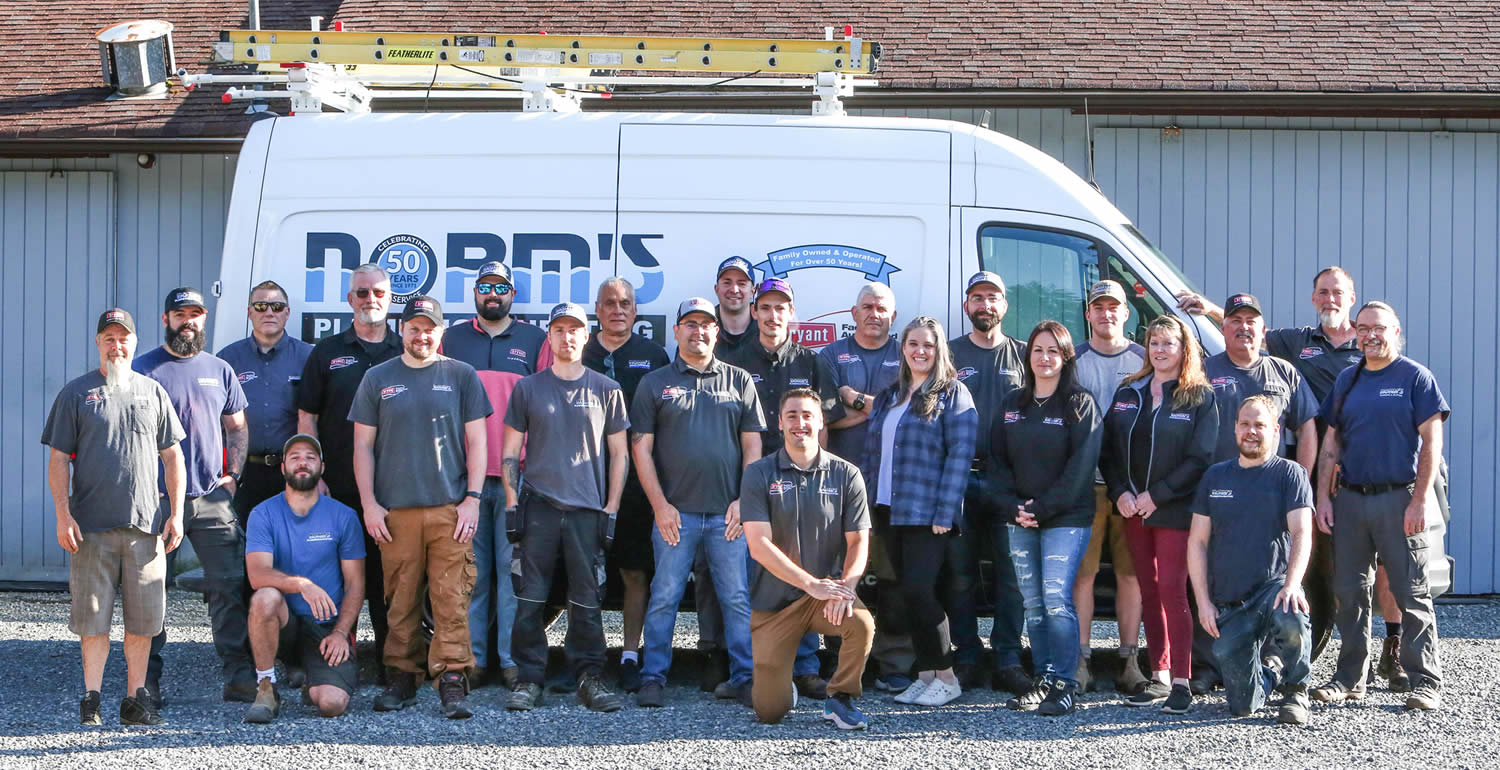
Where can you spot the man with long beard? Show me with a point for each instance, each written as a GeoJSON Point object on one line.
{"type": "Point", "coordinates": [306, 560]}
{"type": "Point", "coordinates": [211, 406]}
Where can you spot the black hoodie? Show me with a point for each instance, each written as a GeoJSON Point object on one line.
{"type": "Point", "coordinates": [1046, 454]}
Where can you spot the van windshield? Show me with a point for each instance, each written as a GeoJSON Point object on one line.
{"type": "Point", "coordinates": [1142, 240]}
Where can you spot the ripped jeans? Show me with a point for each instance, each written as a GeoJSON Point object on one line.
{"type": "Point", "coordinates": [1046, 561]}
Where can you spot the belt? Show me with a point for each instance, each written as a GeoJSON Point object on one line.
{"type": "Point", "coordinates": [271, 459]}
{"type": "Point", "coordinates": [1378, 489]}
{"type": "Point", "coordinates": [977, 465]}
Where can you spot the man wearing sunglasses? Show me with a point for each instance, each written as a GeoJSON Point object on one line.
{"type": "Point", "coordinates": [503, 351]}
{"type": "Point", "coordinates": [330, 379]}
{"type": "Point", "coordinates": [269, 366]}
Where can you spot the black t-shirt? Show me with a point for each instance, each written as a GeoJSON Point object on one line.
{"type": "Point", "coordinates": [1249, 544]}
{"type": "Point", "coordinates": [329, 381]}
{"type": "Point", "coordinates": [729, 343]}
{"type": "Point", "coordinates": [990, 375]}
{"type": "Point", "coordinates": [1317, 359]}
{"type": "Point", "coordinates": [626, 365]}
{"type": "Point", "coordinates": [1047, 453]}
{"type": "Point", "coordinates": [777, 371]}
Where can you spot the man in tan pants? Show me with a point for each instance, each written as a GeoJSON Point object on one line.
{"type": "Point", "coordinates": [808, 527]}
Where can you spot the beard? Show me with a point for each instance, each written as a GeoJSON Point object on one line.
{"type": "Point", "coordinates": [493, 310]}
{"type": "Point", "coordinates": [117, 372]}
{"type": "Point", "coordinates": [1330, 318]}
{"type": "Point", "coordinates": [305, 481]}
{"type": "Point", "coordinates": [186, 341]}
{"type": "Point", "coordinates": [984, 321]}
{"type": "Point", "coordinates": [1260, 451]}
{"type": "Point", "coordinates": [371, 317]}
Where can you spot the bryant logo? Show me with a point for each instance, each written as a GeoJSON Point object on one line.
{"type": "Point", "coordinates": [780, 487]}
{"type": "Point", "coordinates": [1012, 417]}
{"type": "Point", "coordinates": [245, 377]}
{"type": "Point", "coordinates": [965, 373]}
{"type": "Point", "coordinates": [848, 358]}
{"type": "Point", "coordinates": [672, 391]}
{"type": "Point", "coordinates": [1125, 406]}
{"type": "Point", "coordinates": [1223, 382]}
{"type": "Point", "coordinates": [1221, 494]}
{"type": "Point", "coordinates": [1310, 352]}
{"type": "Point", "coordinates": [340, 363]}
{"type": "Point", "coordinates": [391, 391]}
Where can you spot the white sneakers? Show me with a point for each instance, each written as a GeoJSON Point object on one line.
{"type": "Point", "coordinates": [934, 693]}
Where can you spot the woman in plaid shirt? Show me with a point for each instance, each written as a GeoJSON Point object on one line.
{"type": "Point", "coordinates": [922, 431]}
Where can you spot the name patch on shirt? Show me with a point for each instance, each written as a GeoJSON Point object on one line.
{"type": "Point", "coordinates": [341, 362]}
{"type": "Point", "coordinates": [1052, 421]}
{"type": "Point", "coordinates": [1011, 417]}
{"type": "Point", "coordinates": [443, 388]}
{"type": "Point", "coordinates": [1125, 406]}
{"type": "Point", "coordinates": [208, 382]}
{"type": "Point", "coordinates": [1392, 392]}
{"type": "Point", "coordinates": [967, 372]}
{"type": "Point", "coordinates": [639, 364]}
{"type": "Point", "coordinates": [1223, 382]}
{"type": "Point", "coordinates": [797, 382]}
{"type": "Point", "coordinates": [1183, 416]}
{"type": "Point", "coordinates": [672, 391]}
{"type": "Point", "coordinates": [1310, 352]}
{"type": "Point", "coordinates": [779, 487]}
{"type": "Point", "coordinates": [320, 537]}
{"type": "Point", "coordinates": [1221, 494]}
{"type": "Point", "coordinates": [245, 377]}
{"type": "Point", "coordinates": [391, 391]}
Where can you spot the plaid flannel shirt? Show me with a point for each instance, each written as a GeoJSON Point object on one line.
{"type": "Point", "coordinates": [932, 459]}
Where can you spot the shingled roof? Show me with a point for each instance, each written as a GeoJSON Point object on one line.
{"type": "Point", "coordinates": [50, 86]}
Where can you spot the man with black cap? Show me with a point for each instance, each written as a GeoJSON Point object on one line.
{"type": "Point", "coordinates": [419, 460]}
{"type": "Point", "coordinates": [734, 285]}
{"type": "Point", "coordinates": [572, 421]}
{"type": "Point", "coordinates": [211, 405]}
{"type": "Point", "coordinates": [989, 364]}
{"type": "Point", "coordinates": [305, 556]}
{"type": "Point", "coordinates": [502, 350]}
{"type": "Point", "coordinates": [329, 380]}
{"type": "Point", "coordinates": [696, 424]}
{"type": "Point", "coordinates": [105, 432]}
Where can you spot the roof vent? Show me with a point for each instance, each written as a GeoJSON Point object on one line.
{"type": "Point", "coordinates": [136, 58]}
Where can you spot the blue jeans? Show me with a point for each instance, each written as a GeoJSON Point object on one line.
{"type": "Point", "coordinates": [727, 561]}
{"type": "Point", "coordinates": [493, 604]}
{"type": "Point", "coordinates": [1243, 632]}
{"type": "Point", "coordinates": [1046, 561]}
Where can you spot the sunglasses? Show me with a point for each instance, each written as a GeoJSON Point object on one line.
{"type": "Point", "coordinates": [274, 307]}
{"type": "Point", "coordinates": [501, 289]}
{"type": "Point", "coordinates": [362, 293]}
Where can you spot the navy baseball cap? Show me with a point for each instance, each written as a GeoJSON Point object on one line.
{"type": "Point", "coordinates": [568, 310]}
{"type": "Point", "coordinates": [496, 269]}
{"type": "Point", "coordinates": [696, 305]}
{"type": "Point", "coordinates": [984, 276]}
{"type": "Point", "coordinates": [736, 263]}
{"type": "Point", "coordinates": [1239, 301]}
{"type": "Point", "coordinates": [423, 306]}
{"type": "Point", "coordinates": [115, 317]}
{"type": "Point", "coordinates": [775, 284]}
{"type": "Point", "coordinates": [181, 297]}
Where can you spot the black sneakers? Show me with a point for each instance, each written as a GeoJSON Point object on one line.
{"type": "Point", "coordinates": [525, 696]}
{"type": "Point", "coordinates": [1153, 693]}
{"type": "Point", "coordinates": [651, 695]}
{"type": "Point", "coordinates": [137, 710]}
{"type": "Point", "coordinates": [596, 695]}
{"type": "Point", "coordinates": [1204, 681]}
{"type": "Point", "coordinates": [88, 709]}
{"type": "Point", "coordinates": [453, 688]}
{"type": "Point", "coordinates": [1012, 679]}
{"type": "Point", "coordinates": [715, 669]}
{"type": "Point", "coordinates": [1032, 698]}
{"type": "Point", "coordinates": [630, 675]}
{"type": "Point", "coordinates": [811, 686]}
{"type": "Point", "coordinates": [400, 692]}
{"type": "Point", "coordinates": [1180, 701]}
{"type": "Point", "coordinates": [1060, 699]}
{"type": "Point", "coordinates": [240, 691]}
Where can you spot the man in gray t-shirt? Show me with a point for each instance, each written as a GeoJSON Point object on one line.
{"type": "Point", "coordinates": [572, 422]}
{"type": "Point", "coordinates": [419, 461]}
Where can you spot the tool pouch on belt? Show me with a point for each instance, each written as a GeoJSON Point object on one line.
{"type": "Point", "coordinates": [515, 518]}
{"type": "Point", "coordinates": [606, 530]}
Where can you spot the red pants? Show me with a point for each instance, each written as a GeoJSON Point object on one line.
{"type": "Point", "coordinates": [1160, 556]}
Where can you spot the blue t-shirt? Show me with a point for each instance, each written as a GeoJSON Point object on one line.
{"type": "Point", "coordinates": [1378, 420]}
{"type": "Point", "coordinates": [202, 389]}
{"type": "Point", "coordinates": [308, 546]}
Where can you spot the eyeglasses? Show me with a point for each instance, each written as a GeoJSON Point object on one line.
{"type": "Point", "coordinates": [363, 293]}
{"type": "Point", "coordinates": [501, 289]}
{"type": "Point", "coordinates": [697, 326]}
{"type": "Point", "coordinates": [274, 307]}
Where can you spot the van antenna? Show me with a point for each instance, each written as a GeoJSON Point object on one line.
{"type": "Point", "coordinates": [984, 122]}
{"type": "Point", "coordinates": [1088, 138]}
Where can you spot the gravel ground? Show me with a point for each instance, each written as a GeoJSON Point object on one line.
{"type": "Point", "coordinates": [40, 666]}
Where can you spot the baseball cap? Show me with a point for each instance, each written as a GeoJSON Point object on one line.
{"type": "Point", "coordinates": [984, 276]}
{"type": "Point", "coordinates": [736, 263]}
{"type": "Point", "coordinates": [425, 307]}
{"type": "Point", "coordinates": [695, 305]}
{"type": "Point", "coordinates": [303, 438]}
{"type": "Point", "coordinates": [1106, 288]}
{"type": "Point", "coordinates": [181, 297]}
{"type": "Point", "coordinates": [115, 316]}
{"type": "Point", "coordinates": [494, 268]}
{"type": "Point", "coordinates": [568, 310]}
{"type": "Point", "coordinates": [1238, 301]}
{"type": "Point", "coordinates": [775, 284]}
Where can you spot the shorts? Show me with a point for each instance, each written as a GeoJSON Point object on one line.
{"type": "Point", "coordinates": [632, 548]}
{"type": "Point", "coordinates": [305, 635]}
{"type": "Point", "coordinates": [124, 559]}
{"type": "Point", "coordinates": [1106, 526]}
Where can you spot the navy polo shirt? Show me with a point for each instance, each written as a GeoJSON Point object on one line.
{"type": "Point", "coordinates": [269, 381]}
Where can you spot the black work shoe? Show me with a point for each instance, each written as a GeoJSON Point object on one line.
{"type": "Point", "coordinates": [88, 709]}
{"type": "Point", "coordinates": [240, 691]}
{"type": "Point", "coordinates": [715, 670]}
{"type": "Point", "coordinates": [296, 677]}
{"type": "Point", "coordinates": [811, 686]}
{"type": "Point", "coordinates": [266, 706]}
{"type": "Point", "coordinates": [1295, 708]}
{"type": "Point", "coordinates": [509, 676]}
{"type": "Point", "coordinates": [1425, 697]}
{"type": "Point", "coordinates": [1060, 699]}
{"type": "Point", "coordinates": [1031, 698]}
{"type": "Point", "coordinates": [1336, 692]}
{"type": "Point", "coordinates": [1153, 693]}
{"type": "Point", "coordinates": [136, 710]}
{"type": "Point", "coordinates": [1012, 679]}
{"type": "Point", "coordinates": [1390, 657]}
{"type": "Point", "coordinates": [630, 675]}
{"type": "Point", "coordinates": [596, 695]}
{"type": "Point", "coordinates": [651, 695]}
{"type": "Point", "coordinates": [400, 692]}
{"type": "Point", "coordinates": [1204, 681]}
{"type": "Point", "coordinates": [1180, 701]}
{"type": "Point", "coordinates": [153, 692]}
{"type": "Point", "coordinates": [479, 678]}
{"type": "Point", "coordinates": [525, 696]}
{"type": "Point", "coordinates": [970, 675]}
{"type": "Point", "coordinates": [452, 689]}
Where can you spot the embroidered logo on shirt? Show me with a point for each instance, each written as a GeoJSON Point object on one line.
{"type": "Point", "coordinates": [1354, 359]}
{"type": "Point", "coordinates": [755, 378]}
{"type": "Point", "coordinates": [1310, 352]}
{"type": "Point", "coordinates": [443, 388]}
{"type": "Point", "coordinates": [341, 362]}
{"type": "Point", "coordinates": [1011, 417]}
{"type": "Point", "coordinates": [391, 391]}
{"type": "Point", "coordinates": [967, 372]}
{"type": "Point", "coordinates": [1007, 372]}
{"type": "Point", "coordinates": [779, 487]}
{"type": "Point", "coordinates": [1125, 406]}
{"type": "Point", "coordinates": [586, 399]}
{"type": "Point", "coordinates": [1221, 494]}
{"type": "Point", "coordinates": [638, 364]}
{"type": "Point", "coordinates": [93, 399]}
{"type": "Point", "coordinates": [1223, 382]}
{"type": "Point", "coordinates": [1392, 392]}
{"type": "Point", "coordinates": [208, 382]}
{"type": "Point", "coordinates": [672, 391]}
{"type": "Point", "coordinates": [320, 537]}
{"type": "Point", "coordinates": [848, 358]}
{"type": "Point", "coordinates": [1183, 416]}
{"type": "Point", "coordinates": [1052, 421]}
{"type": "Point", "coordinates": [797, 382]}
{"type": "Point", "coordinates": [518, 353]}
{"type": "Point", "coordinates": [828, 491]}
{"type": "Point", "coordinates": [245, 377]}
{"type": "Point", "coordinates": [892, 362]}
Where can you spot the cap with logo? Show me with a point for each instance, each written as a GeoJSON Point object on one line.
{"type": "Point", "coordinates": [1240, 301]}
{"type": "Point", "coordinates": [302, 438]}
{"type": "Point", "coordinates": [181, 297]}
{"type": "Point", "coordinates": [1107, 289]}
{"type": "Point", "coordinates": [423, 306]}
{"type": "Point", "coordinates": [775, 284]}
{"type": "Point", "coordinates": [736, 263]}
{"type": "Point", "coordinates": [567, 310]}
{"type": "Point", "coordinates": [115, 317]}
{"type": "Point", "coordinates": [695, 305]}
{"type": "Point", "coordinates": [985, 276]}
{"type": "Point", "coordinates": [495, 269]}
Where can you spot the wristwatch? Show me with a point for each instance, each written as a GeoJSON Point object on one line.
{"type": "Point", "coordinates": [233, 475]}
{"type": "Point", "coordinates": [473, 494]}
{"type": "Point", "coordinates": [859, 403]}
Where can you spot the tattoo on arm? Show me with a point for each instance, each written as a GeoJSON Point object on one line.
{"type": "Point", "coordinates": [237, 448]}
{"type": "Point", "coordinates": [510, 470]}
{"type": "Point", "coordinates": [636, 438]}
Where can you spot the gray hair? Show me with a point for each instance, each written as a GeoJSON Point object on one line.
{"type": "Point", "coordinates": [876, 288]}
{"type": "Point", "coordinates": [369, 268]}
{"type": "Point", "coordinates": [615, 281]}
{"type": "Point", "coordinates": [1398, 344]}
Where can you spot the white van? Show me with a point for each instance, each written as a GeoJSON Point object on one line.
{"type": "Point", "coordinates": [568, 200]}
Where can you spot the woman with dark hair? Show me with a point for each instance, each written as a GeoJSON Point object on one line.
{"type": "Point", "coordinates": [1159, 436]}
{"type": "Point", "coordinates": [922, 431]}
{"type": "Point", "coordinates": [1044, 449]}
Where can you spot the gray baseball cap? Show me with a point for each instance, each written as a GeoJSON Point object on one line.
{"type": "Point", "coordinates": [568, 310]}
{"type": "Point", "coordinates": [696, 305]}
{"type": "Point", "coordinates": [984, 276]}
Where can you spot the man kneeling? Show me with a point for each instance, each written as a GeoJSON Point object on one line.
{"type": "Point", "coordinates": [305, 555]}
{"type": "Point", "coordinates": [795, 504]}
{"type": "Point", "coordinates": [1252, 521]}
